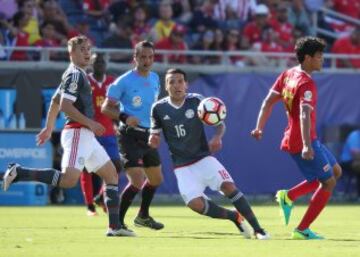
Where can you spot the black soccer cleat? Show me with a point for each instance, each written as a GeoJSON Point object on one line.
{"type": "Point", "coordinates": [148, 222]}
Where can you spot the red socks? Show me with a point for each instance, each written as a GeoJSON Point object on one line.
{"type": "Point", "coordinates": [86, 187]}
{"type": "Point", "coordinates": [317, 204]}
{"type": "Point", "coordinates": [302, 188]}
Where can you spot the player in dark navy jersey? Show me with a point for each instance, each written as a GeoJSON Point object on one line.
{"type": "Point", "coordinates": [195, 168]}
{"type": "Point", "coordinates": [81, 149]}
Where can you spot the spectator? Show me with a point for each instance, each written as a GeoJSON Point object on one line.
{"type": "Point", "coordinates": [18, 36]}
{"type": "Point", "coordinates": [53, 13]}
{"type": "Point", "coordinates": [174, 42]}
{"type": "Point", "coordinates": [97, 12]}
{"type": "Point", "coordinates": [140, 26]}
{"type": "Point", "coordinates": [182, 11]}
{"type": "Point", "coordinates": [203, 17]}
{"type": "Point", "coordinates": [298, 17]}
{"type": "Point", "coordinates": [32, 26]}
{"type": "Point", "coordinates": [119, 39]}
{"type": "Point", "coordinates": [348, 45]}
{"type": "Point", "coordinates": [48, 38]}
{"type": "Point", "coordinates": [349, 8]}
{"type": "Point", "coordinates": [119, 9]}
{"type": "Point", "coordinates": [206, 43]}
{"type": "Point", "coordinates": [253, 30]}
{"type": "Point", "coordinates": [232, 43]}
{"type": "Point", "coordinates": [241, 9]}
{"type": "Point", "coordinates": [164, 25]}
{"type": "Point", "coordinates": [283, 28]}
{"type": "Point", "coordinates": [269, 43]}
{"type": "Point", "coordinates": [82, 28]}
{"type": "Point", "coordinates": [350, 156]}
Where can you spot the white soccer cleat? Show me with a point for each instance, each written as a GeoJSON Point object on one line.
{"type": "Point", "coordinates": [122, 231]}
{"type": "Point", "coordinates": [242, 226]}
{"type": "Point", "coordinates": [262, 235]}
{"type": "Point", "coordinates": [9, 175]}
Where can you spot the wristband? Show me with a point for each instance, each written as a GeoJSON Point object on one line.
{"type": "Point", "coordinates": [123, 116]}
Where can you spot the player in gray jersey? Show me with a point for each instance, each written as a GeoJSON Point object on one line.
{"type": "Point", "coordinates": [81, 149]}
{"type": "Point", "coordinates": [195, 168]}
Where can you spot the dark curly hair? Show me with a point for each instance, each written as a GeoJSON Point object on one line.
{"type": "Point", "coordinates": [308, 46]}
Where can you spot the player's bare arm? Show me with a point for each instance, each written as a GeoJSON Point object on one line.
{"type": "Point", "coordinates": [305, 126]}
{"type": "Point", "coordinates": [215, 144]}
{"type": "Point", "coordinates": [67, 107]}
{"type": "Point", "coordinates": [264, 113]}
{"type": "Point", "coordinates": [154, 140]}
{"type": "Point", "coordinates": [111, 109]}
{"type": "Point", "coordinates": [45, 134]}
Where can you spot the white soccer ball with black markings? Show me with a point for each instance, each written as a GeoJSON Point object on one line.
{"type": "Point", "coordinates": [211, 111]}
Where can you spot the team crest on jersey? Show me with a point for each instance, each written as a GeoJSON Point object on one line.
{"type": "Point", "coordinates": [73, 87]}
{"type": "Point", "coordinates": [136, 101]}
{"type": "Point", "coordinates": [81, 160]}
{"type": "Point", "coordinates": [189, 113]}
{"type": "Point", "coordinates": [326, 167]}
{"type": "Point", "coordinates": [308, 95]}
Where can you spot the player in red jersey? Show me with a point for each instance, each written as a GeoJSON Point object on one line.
{"type": "Point", "coordinates": [297, 90]}
{"type": "Point", "coordinates": [91, 184]}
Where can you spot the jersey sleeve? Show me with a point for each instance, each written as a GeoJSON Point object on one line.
{"type": "Point", "coordinates": [278, 84]}
{"type": "Point", "coordinates": [306, 94]}
{"type": "Point", "coordinates": [115, 91]}
{"type": "Point", "coordinates": [155, 126]}
{"type": "Point", "coordinates": [71, 86]}
{"type": "Point", "coordinates": [57, 96]}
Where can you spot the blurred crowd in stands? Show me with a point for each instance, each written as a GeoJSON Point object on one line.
{"type": "Point", "coordinates": [222, 25]}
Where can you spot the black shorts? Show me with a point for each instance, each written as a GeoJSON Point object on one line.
{"type": "Point", "coordinates": [134, 148]}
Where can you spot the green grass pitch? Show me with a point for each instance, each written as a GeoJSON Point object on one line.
{"type": "Point", "coordinates": [67, 231]}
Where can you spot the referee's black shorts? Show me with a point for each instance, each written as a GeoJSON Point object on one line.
{"type": "Point", "coordinates": [134, 148]}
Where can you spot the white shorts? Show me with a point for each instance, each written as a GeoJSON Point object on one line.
{"type": "Point", "coordinates": [81, 149]}
{"type": "Point", "coordinates": [193, 179]}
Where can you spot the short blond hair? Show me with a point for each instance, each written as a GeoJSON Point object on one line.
{"type": "Point", "coordinates": [76, 41]}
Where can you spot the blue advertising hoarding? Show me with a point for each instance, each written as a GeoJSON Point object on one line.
{"type": "Point", "coordinates": [20, 147]}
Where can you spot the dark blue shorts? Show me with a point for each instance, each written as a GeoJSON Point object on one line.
{"type": "Point", "coordinates": [110, 145]}
{"type": "Point", "coordinates": [321, 167]}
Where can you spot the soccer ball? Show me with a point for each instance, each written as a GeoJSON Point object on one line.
{"type": "Point", "coordinates": [211, 111]}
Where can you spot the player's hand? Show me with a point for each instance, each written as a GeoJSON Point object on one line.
{"type": "Point", "coordinates": [154, 140]}
{"type": "Point", "coordinates": [307, 153]}
{"type": "Point", "coordinates": [215, 144]}
{"type": "Point", "coordinates": [257, 134]}
{"type": "Point", "coordinates": [97, 128]}
{"type": "Point", "coordinates": [132, 121]}
{"type": "Point", "coordinates": [43, 136]}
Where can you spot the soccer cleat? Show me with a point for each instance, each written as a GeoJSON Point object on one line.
{"type": "Point", "coordinates": [285, 204]}
{"type": "Point", "coordinates": [305, 234]}
{"type": "Point", "coordinates": [99, 201]}
{"type": "Point", "coordinates": [122, 231]}
{"type": "Point", "coordinates": [148, 222]}
{"type": "Point", "coordinates": [10, 175]}
{"type": "Point", "coordinates": [262, 235]}
{"type": "Point", "coordinates": [91, 213]}
{"type": "Point", "coordinates": [242, 226]}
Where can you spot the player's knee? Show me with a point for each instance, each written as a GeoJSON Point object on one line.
{"type": "Point", "coordinates": [337, 171]}
{"type": "Point", "coordinates": [329, 184]}
{"type": "Point", "coordinates": [197, 205]}
{"type": "Point", "coordinates": [228, 188]}
{"type": "Point", "coordinates": [156, 180]}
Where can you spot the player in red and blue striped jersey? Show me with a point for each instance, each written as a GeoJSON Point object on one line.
{"type": "Point", "coordinates": [297, 90]}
